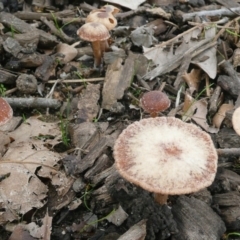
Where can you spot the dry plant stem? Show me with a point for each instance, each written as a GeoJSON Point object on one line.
{"type": "Point", "coordinates": [68, 14]}
{"type": "Point", "coordinates": [77, 80]}
{"type": "Point", "coordinates": [33, 102]}
{"type": "Point", "coordinates": [160, 198]}
{"type": "Point", "coordinates": [231, 12]}
{"type": "Point", "coordinates": [225, 152]}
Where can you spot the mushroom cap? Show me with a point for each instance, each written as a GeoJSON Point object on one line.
{"type": "Point", "coordinates": [107, 8]}
{"type": "Point", "coordinates": [93, 32]}
{"type": "Point", "coordinates": [166, 155]}
{"type": "Point", "coordinates": [236, 120]}
{"type": "Point", "coordinates": [6, 112]}
{"type": "Point", "coordinates": [105, 18]}
{"type": "Point", "coordinates": [154, 102]}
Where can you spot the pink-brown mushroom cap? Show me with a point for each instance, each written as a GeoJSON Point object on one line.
{"type": "Point", "coordinates": [166, 155]}
{"type": "Point", "coordinates": [154, 102]}
{"type": "Point", "coordinates": [6, 112]}
{"type": "Point", "coordinates": [236, 120]}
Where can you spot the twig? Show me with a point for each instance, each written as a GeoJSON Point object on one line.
{"type": "Point", "coordinates": [33, 103]}
{"type": "Point", "coordinates": [231, 12]}
{"type": "Point", "coordinates": [77, 80]}
{"type": "Point", "coordinates": [57, 32]}
{"type": "Point", "coordinates": [226, 152]}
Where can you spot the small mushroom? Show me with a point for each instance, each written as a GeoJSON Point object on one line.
{"type": "Point", "coordinates": [105, 18]}
{"type": "Point", "coordinates": [154, 102]}
{"type": "Point", "coordinates": [97, 34]}
{"type": "Point", "coordinates": [236, 120]}
{"type": "Point", "coordinates": [166, 156]}
{"type": "Point", "coordinates": [6, 112]}
{"type": "Point", "coordinates": [107, 8]}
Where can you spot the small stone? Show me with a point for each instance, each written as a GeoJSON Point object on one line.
{"type": "Point", "coordinates": [26, 83]}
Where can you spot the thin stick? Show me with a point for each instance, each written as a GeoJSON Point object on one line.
{"type": "Point", "coordinates": [77, 80]}
{"type": "Point", "coordinates": [226, 152]}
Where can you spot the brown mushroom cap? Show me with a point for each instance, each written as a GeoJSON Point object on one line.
{"type": "Point", "coordinates": [166, 155]}
{"type": "Point", "coordinates": [6, 112]}
{"type": "Point", "coordinates": [154, 102]}
{"type": "Point", "coordinates": [93, 32]}
{"type": "Point", "coordinates": [236, 120]}
{"type": "Point", "coordinates": [105, 18]}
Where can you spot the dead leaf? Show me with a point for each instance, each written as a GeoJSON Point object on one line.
{"type": "Point", "coordinates": [143, 36]}
{"type": "Point", "coordinates": [20, 233]}
{"type": "Point", "coordinates": [188, 101]}
{"type": "Point", "coordinates": [198, 113]}
{"type": "Point", "coordinates": [169, 59]}
{"type": "Point", "coordinates": [127, 3]}
{"type": "Point", "coordinates": [43, 232]}
{"type": "Point", "coordinates": [118, 216]}
{"type": "Point", "coordinates": [69, 52]}
{"type": "Point", "coordinates": [193, 79]}
{"type": "Point", "coordinates": [20, 192]}
{"type": "Point", "coordinates": [221, 113]}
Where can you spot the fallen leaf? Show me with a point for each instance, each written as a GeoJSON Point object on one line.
{"type": "Point", "coordinates": [221, 114]}
{"type": "Point", "coordinates": [69, 51]}
{"type": "Point", "coordinates": [127, 3]}
{"type": "Point", "coordinates": [19, 233]}
{"type": "Point", "coordinates": [159, 12]}
{"type": "Point", "coordinates": [43, 232]}
{"type": "Point", "coordinates": [118, 216]}
{"type": "Point", "coordinates": [193, 79]}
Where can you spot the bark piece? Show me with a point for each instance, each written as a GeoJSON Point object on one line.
{"type": "Point", "coordinates": [118, 79]}
{"type": "Point", "coordinates": [88, 103]}
{"type": "Point", "coordinates": [227, 138]}
{"type": "Point", "coordinates": [196, 220]}
{"type": "Point", "coordinates": [94, 153]}
{"type": "Point", "coordinates": [7, 77]}
{"type": "Point", "coordinates": [137, 231]}
{"type": "Point", "coordinates": [45, 39]}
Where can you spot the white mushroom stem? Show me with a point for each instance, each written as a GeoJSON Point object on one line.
{"type": "Point", "coordinates": [160, 198]}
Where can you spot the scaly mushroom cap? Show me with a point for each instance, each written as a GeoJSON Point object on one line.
{"type": "Point", "coordinates": [93, 32]}
{"type": "Point", "coordinates": [105, 18]}
{"type": "Point", "coordinates": [154, 102]}
{"type": "Point", "coordinates": [165, 155]}
{"type": "Point", "coordinates": [6, 112]}
{"type": "Point", "coordinates": [236, 120]}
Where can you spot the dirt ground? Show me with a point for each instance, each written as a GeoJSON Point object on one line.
{"type": "Point", "coordinates": [74, 96]}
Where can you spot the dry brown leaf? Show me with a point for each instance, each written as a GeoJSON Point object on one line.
{"type": "Point", "coordinates": [169, 59]}
{"type": "Point", "coordinates": [221, 113]}
{"type": "Point", "coordinates": [188, 102]}
{"type": "Point", "coordinates": [127, 3]}
{"type": "Point", "coordinates": [69, 52]}
{"type": "Point", "coordinates": [43, 232]}
{"type": "Point", "coordinates": [19, 233]}
{"type": "Point", "coordinates": [36, 132]}
{"type": "Point", "coordinates": [20, 192]}
{"type": "Point", "coordinates": [198, 112]}
{"type": "Point", "coordinates": [193, 79]}
{"type": "Point", "coordinates": [118, 216]}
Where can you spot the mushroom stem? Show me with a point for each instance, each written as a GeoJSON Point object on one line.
{"type": "Point", "coordinates": [160, 198]}
{"type": "Point", "coordinates": [104, 46]}
{"type": "Point", "coordinates": [97, 53]}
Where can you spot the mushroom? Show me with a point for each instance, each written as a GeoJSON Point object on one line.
{"type": "Point", "coordinates": [236, 120]}
{"type": "Point", "coordinates": [97, 34]}
{"type": "Point", "coordinates": [6, 112]}
{"type": "Point", "coordinates": [166, 156]}
{"type": "Point", "coordinates": [107, 8]}
{"type": "Point", "coordinates": [154, 102]}
{"type": "Point", "coordinates": [107, 19]}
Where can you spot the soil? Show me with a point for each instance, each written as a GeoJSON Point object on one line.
{"type": "Point", "coordinates": [95, 104]}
